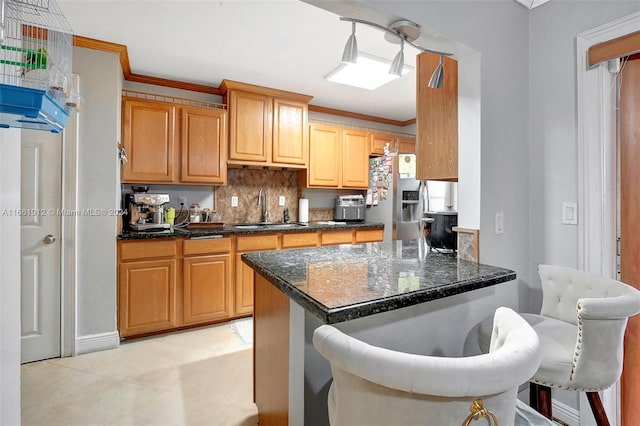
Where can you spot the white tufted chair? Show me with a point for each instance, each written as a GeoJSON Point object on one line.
{"type": "Point", "coordinates": [377, 386]}
{"type": "Point", "coordinates": [581, 328]}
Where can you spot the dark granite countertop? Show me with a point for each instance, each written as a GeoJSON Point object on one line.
{"type": "Point", "coordinates": [230, 229]}
{"type": "Point", "coordinates": [340, 283]}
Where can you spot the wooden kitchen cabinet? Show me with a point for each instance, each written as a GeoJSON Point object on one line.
{"type": "Point", "coordinates": [355, 159]}
{"type": "Point", "coordinates": [338, 158]}
{"type": "Point", "coordinates": [172, 143]}
{"type": "Point", "coordinates": [406, 144]}
{"type": "Point", "coordinates": [206, 280]}
{"type": "Point", "coordinates": [147, 286]}
{"type": "Point", "coordinates": [267, 127]}
{"type": "Point", "coordinates": [325, 161]}
{"type": "Point", "coordinates": [204, 146]}
{"type": "Point", "coordinates": [377, 142]}
{"type": "Point", "coordinates": [437, 121]}
{"type": "Point", "coordinates": [244, 274]}
{"type": "Point", "coordinates": [146, 296]}
{"type": "Point", "coordinates": [249, 126]}
{"type": "Point", "coordinates": [149, 138]}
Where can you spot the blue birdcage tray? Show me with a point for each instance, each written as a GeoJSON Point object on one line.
{"type": "Point", "coordinates": [29, 108]}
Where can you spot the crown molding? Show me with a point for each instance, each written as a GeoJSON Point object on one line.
{"type": "Point", "coordinates": [121, 51]}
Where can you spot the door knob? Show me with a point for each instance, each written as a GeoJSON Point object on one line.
{"type": "Point", "coordinates": [49, 239]}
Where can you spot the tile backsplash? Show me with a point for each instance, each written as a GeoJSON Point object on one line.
{"type": "Point", "coordinates": [245, 184]}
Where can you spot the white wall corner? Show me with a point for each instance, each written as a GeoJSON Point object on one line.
{"type": "Point", "coordinates": [530, 4]}
{"type": "Point", "coordinates": [97, 342]}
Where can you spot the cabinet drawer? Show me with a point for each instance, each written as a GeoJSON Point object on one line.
{"type": "Point", "coordinates": [336, 237]}
{"type": "Point", "coordinates": [257, 243]}
{"type": "Point", "coordinates": [215, 245]}
{"type": "Point", "coordinates": [303, 239]}
{"type": "Point", "coordinates": [130, 250]}
{"type": "Point", "coordinates": [368, 235]}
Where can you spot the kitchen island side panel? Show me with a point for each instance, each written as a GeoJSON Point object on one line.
{"type": "Point", "coordinates": [270, 353]}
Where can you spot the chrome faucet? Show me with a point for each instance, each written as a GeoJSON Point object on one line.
{"type": "Point", "coordinates": [262, 193]}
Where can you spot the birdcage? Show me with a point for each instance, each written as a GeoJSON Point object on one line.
{"type": "Point", "coordinates": [36, 45]}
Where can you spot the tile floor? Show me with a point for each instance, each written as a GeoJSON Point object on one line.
{"type": "Point", "coordinates": [198, 377]}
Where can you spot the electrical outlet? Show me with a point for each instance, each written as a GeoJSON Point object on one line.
{"type": "Point", "coordinates": [281, 200]}
{"type": "Point", "coordinates": [234, 201]}
{"type": "Point", "coordinates": [499, 223]}
{"type": "Point", "coordinates": [182, 200]}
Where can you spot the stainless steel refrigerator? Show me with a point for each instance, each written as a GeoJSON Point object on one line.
{"type": "Point", "coordinates": [395, 196]}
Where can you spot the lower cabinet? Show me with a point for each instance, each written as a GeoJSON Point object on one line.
{"type": "Point", "coordinates": [206, 293]}
{"type": "Point", "coordinates": [147, 296]}
{"type": "Point", "coordinates": [171, 283]}
{"type": "Point", "coordinates": [166, 284]}
{"type": "Point", "coordinates": [244, 274]}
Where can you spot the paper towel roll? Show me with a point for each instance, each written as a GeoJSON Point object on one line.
{"type": "Point", "coordinates": [303, 210]}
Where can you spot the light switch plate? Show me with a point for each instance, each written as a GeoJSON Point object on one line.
{"type": "Point", "coordinates": [234, 201]}
{"type": "Point", "coordinates": [281, 200]}
{"type": "Point", "coordinates": [570, 213]}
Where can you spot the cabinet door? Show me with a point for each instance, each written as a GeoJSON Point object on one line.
{"type": "Point", "coordinates": [377, 142]}
{"type": "Point", "coordinates": [324, 156]}
{"type": "Point", "coordinates": [290, 132]}
{"type": "Point", "coordinates": [148, 136]}
{"type": "Point", "coordinates": [244, 287]}
{"type": "Point", "coordinates": [355, 159]}
{"type": "Point", "coordinates": [437, 121]}
{"type": "Point", "coordinates": [146, 296]}
{"type": "Point", "coordinates": [206, 288]}
{"type": "Point", "coordinates": [249, 126]}
{"type": "Point", "coordinates": [406, 145]}
{"type": "Point", "coordinates": [204, 153]}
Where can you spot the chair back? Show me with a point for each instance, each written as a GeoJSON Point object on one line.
{"type": "Point", "coordinates": [599, 307]}
{"type": "Point", "coordinates": [377, 386]}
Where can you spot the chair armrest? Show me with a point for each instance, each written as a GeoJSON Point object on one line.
{"type": "Point", "coordinates": [619, 307]}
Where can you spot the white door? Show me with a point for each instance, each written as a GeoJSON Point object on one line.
{"type": "Point", "coordinates": [41, 200]}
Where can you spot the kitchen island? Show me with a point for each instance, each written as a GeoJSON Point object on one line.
{"type": "Point", "coordinates": [397, 295]}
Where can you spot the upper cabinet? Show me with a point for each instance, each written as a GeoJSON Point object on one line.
{"type": "Point", "coordinates": [377, 142]}
{"type": "Point", "coordinates": [437, 121]}
{"type": "Point", "coordinates": [170, 143]}
{"type": "Point", "coordinates": [149, 138]}
{"type": "Point", "coordinates": [339, 158]}
{"type": "Point", "coordinates": [204, 145]}
{"type": "Point", "coordinates": [267, 127]}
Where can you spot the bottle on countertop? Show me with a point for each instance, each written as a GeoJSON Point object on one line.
{"type": "Point", "coordinates": [286, 217]}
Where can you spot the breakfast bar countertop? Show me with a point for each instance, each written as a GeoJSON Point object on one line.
{"type": "Point", "coordinates": [344, 282]}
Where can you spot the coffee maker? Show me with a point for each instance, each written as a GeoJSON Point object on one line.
{"type": "Point", "coordinates": [145, 211]}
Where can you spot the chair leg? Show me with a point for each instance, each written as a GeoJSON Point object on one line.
{"type": "Point", "coordinates": [540, 399]}
{"type": "Point", "coordinates": [598, 410]}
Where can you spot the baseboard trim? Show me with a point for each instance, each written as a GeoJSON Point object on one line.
{"type": "Point", "coordinates": [97, 342]}
{"type": "Point", "coordinates": [563, 412]}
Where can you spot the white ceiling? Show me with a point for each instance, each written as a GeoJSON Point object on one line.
{"type": "Point", "coordinates": [284, 44]}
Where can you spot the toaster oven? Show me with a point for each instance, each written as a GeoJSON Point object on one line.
{"type": "Point", "coordinates": [349, 208]}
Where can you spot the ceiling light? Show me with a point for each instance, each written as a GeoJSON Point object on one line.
{"type": "Point", "coordinates": [435, 82]}
{"type": "Point", "coordinates": [369, 72]}
{"type": "Point", "coordinates": [405, 31]}
{"type": "Point", "coordinates": [398, 62]}
{"type": "Point", "coordinates": [350, 54]}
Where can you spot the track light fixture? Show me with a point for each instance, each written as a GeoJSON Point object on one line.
{"type": "Point", "coordinates": [350, 53]}
{"type": "Point", "coordinates": [398, 61]}
{"type": "Point", "coordinates": [406, 32]}
{"type": "Point", "coordinates": [435, 82]}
